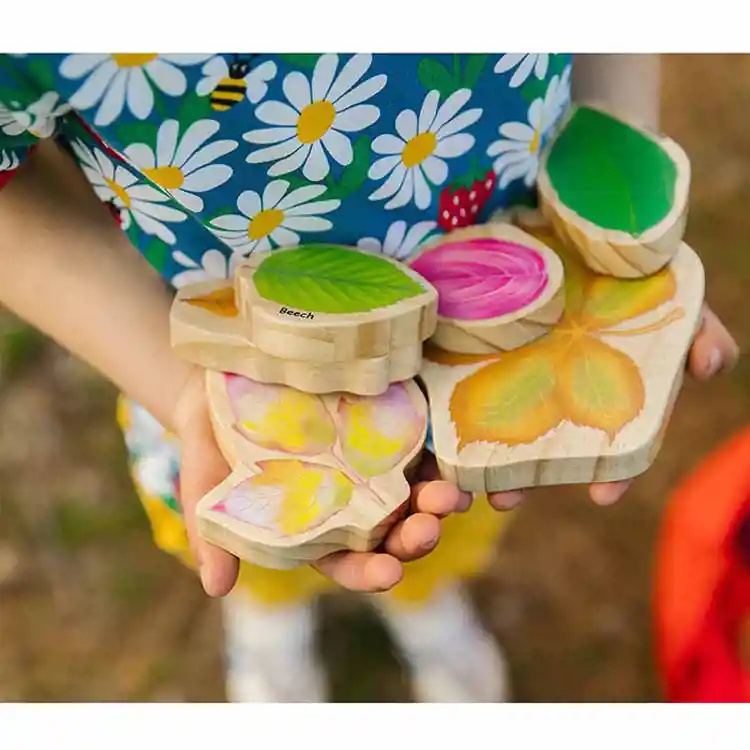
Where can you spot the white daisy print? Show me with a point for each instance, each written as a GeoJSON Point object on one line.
{"type": "Point", "coordinates": [184, 166]}
{"type": "Point", "coordinates": [136, 201]}
{"type": "Point", "coordinates": [418, 152]}
{"type": "Point", "coordinates": [214, 266]}
{"type": "Point", "coordinates": [558, 96]}
{"type": "Point", "coordinates": [38, 118]}
{"type": "Point", "coordinates": [314, 124]}
{"type": "Point", "coordinates": [14, 121]}
{"type": "Point", "coordinates": [112, 80]}
{"type": "Point", "coordinates": [256, 79]}
{"type": "Point", "coordinates": [275, 218]}
{"type": "Point", "coordinates": [8, 161]}
{"type": "Point", "coordinates": [525, 65]}
{"type": "Point", "coordinates": [399, 243]}
{"type": "Point", "coordinates": [518, 149]}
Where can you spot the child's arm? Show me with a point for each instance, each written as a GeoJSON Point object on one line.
{"type": "Point", "coordinates": [66, 268]}
{"type": "Point", "coordinates": [630, 86]}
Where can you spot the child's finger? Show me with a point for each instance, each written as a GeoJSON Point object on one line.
{"type": "Point", "coordinates": [608, 493]}
{"type": "Point", "coordinates": [439, 498]}
{"type": "Point", "coordinates": [414, 537]}
{"type": "Point", "coordinates": [368, 572]}
{"type": "Point", "coordinates": [505, 500]}
{"type": "Point", "coordinates": [713, 350]}
{"type": "Point", "coordinates": [202, 469]}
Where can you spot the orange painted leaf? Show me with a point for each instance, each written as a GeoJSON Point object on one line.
{"type": "Point", "coordinates": [599, 386]}
{"type": "Point", "coordinates": [611, 301]}
{"type": "Point", "coordinates": [221, 302]}
{"type": "Point", "coordinates": [509, 401]}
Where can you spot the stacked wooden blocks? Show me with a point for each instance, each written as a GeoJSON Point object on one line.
{"type": "Point", "coordinates": [550, 345]}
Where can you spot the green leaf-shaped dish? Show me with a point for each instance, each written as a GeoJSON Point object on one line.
{"type": "Point", "coordinates": [616, 193]}
{"type": "Point", "coordinates": [328, 303]}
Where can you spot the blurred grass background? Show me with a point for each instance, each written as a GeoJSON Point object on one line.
{"type": "Point", "coordinates": [90, 610]}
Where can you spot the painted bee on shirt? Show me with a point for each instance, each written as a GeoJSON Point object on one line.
{"type": "Point", "coordinates": [228, 84]}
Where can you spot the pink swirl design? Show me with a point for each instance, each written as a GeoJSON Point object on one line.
{"type": "Point", "coordinates": [483, 278]}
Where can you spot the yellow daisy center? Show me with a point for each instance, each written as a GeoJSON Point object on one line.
{"type": "Point", "coordinates": [264, 223]}
{"type": "Point", "coordinates": [418, 149]}
{"type": "Point", "coordinates": [124, 60]}
{"type": "Point", "coordinates": [315, 121]}
{"type": "Point", "coordinates": [119, 191]}
{"type": "Point", "coordinates": [535, 141]}
{"type": "Point", "coordinates": [170, 178]}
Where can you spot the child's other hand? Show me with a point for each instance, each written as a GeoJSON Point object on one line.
{"type": "Point", "coordinates": [713, 351]}
{"type": "Point", "coordinates": [203, 467]}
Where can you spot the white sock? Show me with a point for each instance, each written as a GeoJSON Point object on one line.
{"type": "Point", "coordinates": [270, 653]}
{"type": "Point", "coordinates": [451, 657]}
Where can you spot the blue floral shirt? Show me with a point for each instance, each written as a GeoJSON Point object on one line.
{"type": "Point", "coordinates": [206, 158]}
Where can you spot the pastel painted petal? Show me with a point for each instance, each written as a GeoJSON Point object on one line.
{"type": "Point", "coordinates": [509, 61]}
{"type": "Point", "coordinates": [301, 195]}
{"type": "Point", "coordinates": [405, 193]}
{"type": "Point", "coordinates": [140, 96]}
{"type": "Point", "coordinates": [113, 102]}
{"type": "Point", "coordinates": [166, 142]}
{"type": "Point", "coordinates": [141, 155]}
{"type": "Point", "coordinates": [457, 124]}
{"type": "Point", "coordinates": [350, 74]}
{"type": "Point", "coordinates": [383, 166]}
{"type": "Point", "coordinates": [193, 138]}
{"type": "Point", "coordinates": [78, 65]}
{"type": "Point", "coordinates": [270, 135]}
{"type": "Point", "coordinates": [274, 153]}
{"type": "Point", "coordinates": [518, 131]}
{"type": "Point", "coordinates": [428, 111]}
{"type": "Point", "coordinates": [422, 194]}
{"type": "Point", "coordinates": [522, 71]}
{"type": "Point", "coordinates": [316, 167]}
{"type": "Point", "coordinates": [231, 222]}
{"type": "Point", "coordinates": [291, 164]}
{"type": "Point", "coordinates": [282, 236]}
{"type": "Point", "coordinates": [316, 207]}
{"type": "Point", "coordinates": [307, 223]}
{"type": "Point", "coordinates": [94, 87]}
{"type": "Point", "coordinates": [451, 107]}
{"type": "Point", "coordinates": [391, 185]}
{"type": "Point", "coordinates": [167, 77]}
{"type": "Point", "coordinates": [207, 154]}
{"type": "Point", "coordinates": [274, 192]}
{"type": "Point", "coordinates": [394, 236]}
{"type": "Point", "coordinates": [454, 145]}
{"type": "Point", "coordinates": [207, 178]}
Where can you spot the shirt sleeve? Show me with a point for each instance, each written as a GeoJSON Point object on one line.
{"type": "Point", "coordinates": [28, 114]}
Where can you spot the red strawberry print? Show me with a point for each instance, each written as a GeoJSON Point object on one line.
{"type": "Point", "coordinates": [461, 202]}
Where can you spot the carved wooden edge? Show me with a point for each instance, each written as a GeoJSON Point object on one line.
{"type": "Point", "coordinates": [617, 253]}
{"type": "Point", "coordinates": [335, 338]}
{"type": "Point", "coordinates": [478, 476]}
{"type": "Point", "coordinates": [360, 526]}
{"type": "Point", "coordinates": [219, 343]}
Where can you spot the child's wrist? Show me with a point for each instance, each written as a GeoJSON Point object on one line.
{"type": "Point", "coordinates": [190, 400]}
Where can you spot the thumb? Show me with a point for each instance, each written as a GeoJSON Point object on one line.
{"type": "Point", "coordinates": [202, 468]}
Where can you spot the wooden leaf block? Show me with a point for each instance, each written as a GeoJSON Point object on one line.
{"type": "Point", "coordinates": [206, 329]}
{"type": "Point", "coordinates": [587, 402]}
{"type": "Point", "coordinates": [310, 474]}
{"type": "Point", "coordinates": [615, 193]}
{"type": "Point", "coordinates": [498, 288]}
{"type": "Point", "coordinates": [326, 303]}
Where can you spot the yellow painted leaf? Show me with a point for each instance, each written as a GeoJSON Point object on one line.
{"type": "Point", "coordinates": [510, 401]}
{"type": "Point", "coordinates": [221, 302]}
{"type": "Point", "coordinates": [611, 301]}
{"type": "Point", "coordinates": [377, 433]}
{"type": "Point", "coordinates": [281, 418]}
{"type": "Point", "coordinates": [288, 497]}
{"type": "Point", "coordinates": [599, 386]}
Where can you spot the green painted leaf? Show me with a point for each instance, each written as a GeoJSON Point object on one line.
{"type": "Point", "coordinates": [611, 174]}
{"type": "Point", "coordinates": [306, 61]}
{"type": "Point", "coordinates": [434, 76]}
{"type": "Point", "coordinates": [192, 109]}
{"type": "Point", "coordinates": [157, 254]}
{"type": "Point", "coordinates": [17, 141]}
{"type": "Point", "coordinates": [533, 88]}
{"type": "Point", "coordinates": [473, 69]}
{"type": "Point", "coordinates": [330, 279]}
{"type": "Point", "coordinates": [138, 132]}
{"type": "Point", "coordinates": [41, 71]}
{"type": "Point", "coordinates": [558, 63]}
{"type": "Point", "coordinates": [354, 175]}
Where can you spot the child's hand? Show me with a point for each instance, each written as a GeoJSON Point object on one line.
{"type": "Point", "coordinates": [713, 351]}
{"type": "Point", "coordinates": [203, 467]}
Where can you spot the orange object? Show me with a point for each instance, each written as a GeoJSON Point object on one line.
{"type": "Point", "coordinates": [702, 586]}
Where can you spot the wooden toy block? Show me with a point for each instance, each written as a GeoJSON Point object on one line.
{"type": "Point", "coordinates": [310, 474]}
{"type": "Point", "coordinates": [589, 402]}
{"type": "Point", "coordinates": [328, 303]}
{"type": "Point", "coordinates": [498, 288]}
{"type": "Point", "coordinates": [206, 329]}
{"type": "Point", "coordinates": [615, 193]}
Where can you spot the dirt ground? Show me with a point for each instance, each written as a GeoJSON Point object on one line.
{"type": "Point", "coordinates": [91, 611]}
